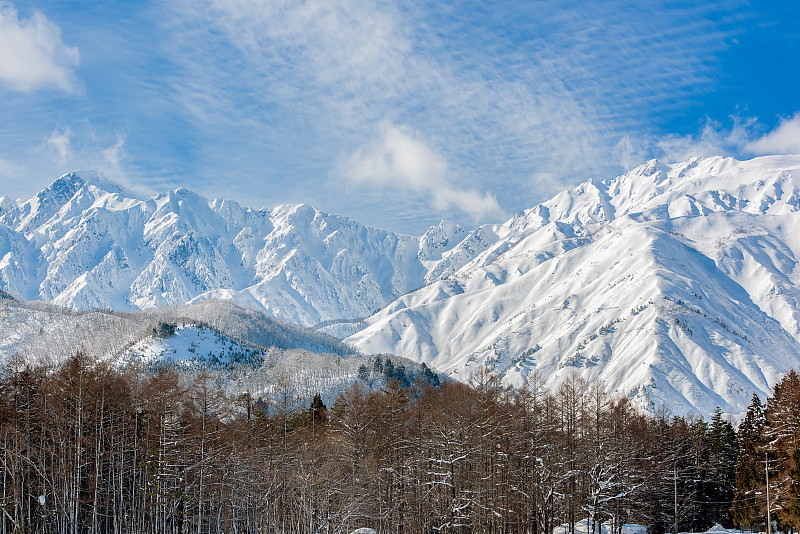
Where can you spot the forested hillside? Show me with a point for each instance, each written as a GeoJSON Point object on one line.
{"type": "Point", "coordinates": [91, 448]}
{"type": "Point", "coordinates": [46, 332]}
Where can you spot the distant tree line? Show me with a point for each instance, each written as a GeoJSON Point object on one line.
{"type": "Point", "coordinates": [92, 449]}
{"type": "Point", "coordinates": [384, 370]}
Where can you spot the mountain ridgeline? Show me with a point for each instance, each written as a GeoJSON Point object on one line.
{"type": "Point", "coordinates": [671, 284]}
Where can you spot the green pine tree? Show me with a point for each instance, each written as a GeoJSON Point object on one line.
{"type": "Point", "coordinates": [722, 468]}
{"type": "Point", "coordinates": [747, 510]}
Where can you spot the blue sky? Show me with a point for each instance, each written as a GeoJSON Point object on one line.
{"type": "Point", "coordinates": [395, 114]}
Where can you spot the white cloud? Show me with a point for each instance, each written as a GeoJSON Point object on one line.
{"type": "Point", "coordinates": [531, 99]}
{"type": "Point", "coordinates": [113, 156]}
{"type": "Point", "coordinates": [400, 159]}
{"type": "Point", "coordinates": [9, 171]}
{"type": "Point", "coordinates": [712, 140]}
{"type": "Point", "coordinates": [629, 154]}
{"type": "Point", "coordinates": [60, 140]}
{"type": "Point", "coordinates": [32, 54]}
{"type": "Point", "coordinates": [784, 139]}
{"type": "Point", "coordinates": [522, 100]}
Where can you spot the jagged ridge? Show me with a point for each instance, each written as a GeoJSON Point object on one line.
{"type": "Point", "coordinates": [674, 284]}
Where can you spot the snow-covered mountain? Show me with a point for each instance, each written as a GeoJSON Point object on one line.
{"type": "Point", "coordinates": [675, 284]}
{"type": "Point", "coordinates": [84, 242]}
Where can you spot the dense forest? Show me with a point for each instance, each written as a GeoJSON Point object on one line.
{"type": "Point", "coordinates": [88, 448]}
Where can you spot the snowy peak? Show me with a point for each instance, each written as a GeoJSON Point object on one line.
{"type": "Point", "coordinates": [674, 284]}
{"type": "Point", "coordinates": [45, 204]}
{"type": "Point", "coordinates": [700, 186]}
{"type": "Point", "coordinates": [437, 240]}
{"type": "Point", "coordinates": [6, 205]}
{"type": "Point", "coordinates": [85, 242]}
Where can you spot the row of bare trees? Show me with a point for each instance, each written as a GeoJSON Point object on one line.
{"type": "Point", "coordinates": [91, 449]}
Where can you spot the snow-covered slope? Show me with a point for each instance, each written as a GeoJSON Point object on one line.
{"type": "Point", "coordinates": [240, 349]}
{"type": "Point", "coordinates": [673, 284]}
{"type": "Point", "coordinates": [43, 332]}
{"type": "Point", "coordinates": [85, 243]}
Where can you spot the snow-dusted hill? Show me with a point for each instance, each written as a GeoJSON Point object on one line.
{"type": "Point", "coordinates": [239, 348]}
{"type": "Point", "coordinates": [674, 284]}
{"type": "Point", "coordinates": [85, 243]}
{"type": "Point", "coordinates": [43, 332]}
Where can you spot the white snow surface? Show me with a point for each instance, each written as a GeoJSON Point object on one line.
{"type": "Point", "coordinates": [674, 284]}
{"type": "Point", "coordinates": [84, 242]}
{"type": "Point", "coordinates": [189, 343]}
{"type": "Point", "coordinates": [584, 526]}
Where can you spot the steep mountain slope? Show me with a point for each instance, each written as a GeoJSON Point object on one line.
{"type": "Point", "coordinates": [673, 284]}
{"type": "Point", "coordinates": [85, 243]}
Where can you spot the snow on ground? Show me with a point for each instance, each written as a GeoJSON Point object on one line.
{"type": "Point", "coordinates": [585, 527]}
{"type": "Point", "coordinates": [191, 344]}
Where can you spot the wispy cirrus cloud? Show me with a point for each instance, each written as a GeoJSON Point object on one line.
{"type": "Point", "coordinates": [60, 140]}
{"type": "Point", "coordinates": [80, 146]}
{"type": "Point", "coordinates": [713, 139]}
{"type": "Point", "coordinates": [742, 137]}
{"type": "Point", "coordinates": [516, 100]}
{"type": "Point", "coordinates": [508, 93]}
{"type": "Point", "coordinates": [32, 54]}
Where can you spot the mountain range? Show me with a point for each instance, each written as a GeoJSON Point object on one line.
{"type": "Point", "coordinates": [672, 284]}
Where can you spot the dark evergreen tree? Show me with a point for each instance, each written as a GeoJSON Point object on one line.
{"type": "Point", "coordinates": [747, 510]}
{"type": "Point", "coordinates": [431, 377]}
{"type": "Point", "coordinates": [400, 375]}
{"type": "Point", "coordinates": [318, 410]}
{"type": "Point", "coordinates": [699, 516]}
{"type": "Point", "coordinates": [363, 373]}
{"type": "Point", "coordinates": [388, 369]}
{"type": "Point", "coordinates": [164, 330]}
{"type": "Point", "coordinates": [721, 485]}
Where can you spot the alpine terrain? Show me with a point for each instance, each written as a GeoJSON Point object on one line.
{"type": "Point", "coordinates": [674, 283]}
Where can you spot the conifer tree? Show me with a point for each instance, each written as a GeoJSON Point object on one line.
{"type": "Point", "coordinates": [318, 410]}
{"type": "Point", "coordinates": [722, 468]}
{"type": "Point", "coordinates": [746, 510]}
{"type": "Point", "coordinates": [782, 433]}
